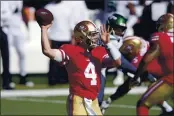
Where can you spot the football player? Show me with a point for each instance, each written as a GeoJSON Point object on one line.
{"type": "Point", "coordinates": [133, 49]}
{"type": "Point", "coordinates": [118, 26]}
{"type": "Point", "coordinates": [161, 49]}
{"type": "Point", "coordinates": [83, 62]}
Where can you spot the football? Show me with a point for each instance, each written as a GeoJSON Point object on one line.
{"type": "Point", "coordinates": [43, 16]}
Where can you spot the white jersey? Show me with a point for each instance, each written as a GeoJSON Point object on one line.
{"type": "Point", "coordinates": [16, 23]}
{"type": "Point", "coordinates": [117, 41]}
{"type": "Point", "coordinates": [66, 15]}
{"type": "Point", "coordinates": [5, 15]}
{"type": "Point", "coordinates": [16, 9]}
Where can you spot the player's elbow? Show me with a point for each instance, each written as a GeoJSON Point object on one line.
{"type": "Point", "coordinates": [45, 52]}
{"type": "Point", "coordinates": [152, 53]}
{"type": "Point", "coordinates": [53, 54]}
{"type": "Point", "coordinates": [117, 62]}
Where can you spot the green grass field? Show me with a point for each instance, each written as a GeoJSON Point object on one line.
{"type": "Point", "coordinates": [57, 105]}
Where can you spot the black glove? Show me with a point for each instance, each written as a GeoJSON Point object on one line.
{"type": "Point", "coordinates": [132, 81]}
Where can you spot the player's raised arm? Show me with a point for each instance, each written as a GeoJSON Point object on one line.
{"type": "Point", "coordinates": [113, 51]}
{"type": "Point", "coordinates": [45, 18]}
{"type": "Point", "coordinates": [46, 47]}
{"type": "Point", "coordinates": [55, 54]}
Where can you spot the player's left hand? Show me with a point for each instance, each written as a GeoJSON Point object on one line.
{"type": "Point", "coordinates": [134, 82]}
{"type": "Point", "coordinates": [105, 34]}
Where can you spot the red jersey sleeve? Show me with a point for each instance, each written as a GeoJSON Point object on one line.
{"type": "Point", "coordinates": [104, 57]}
{"type": "Point", "coordinates": [102, 53]}
{"type": "Point", "coordinates": [163, 39]}
{"type": "Point", "coordinates": [155, 37]}
{"type": "Point", "coordinates": [64, 49]}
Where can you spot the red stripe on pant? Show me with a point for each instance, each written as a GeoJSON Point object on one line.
{"type": "Point", "coordinates": [151, 90]}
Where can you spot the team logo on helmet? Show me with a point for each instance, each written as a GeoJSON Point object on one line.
{"type": "Point", "coordinates": [83, 28]}
{"type": "Point", "coordinates": [113, 17]}
{"type": "Point", "coordinates": [128, 48]}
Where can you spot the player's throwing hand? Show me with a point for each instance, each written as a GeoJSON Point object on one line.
{"type": "Point", "coordinates": [105, 34]}
{"type": "Point", "coordinates": [45, 26]}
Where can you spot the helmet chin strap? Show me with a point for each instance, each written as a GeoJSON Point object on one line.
{"type": "Point", "coordinates": [117, 37]}
{"type": "Point", "coordinates": [90, 44]}
{"type": "Point", "coordinates": [121, 35]}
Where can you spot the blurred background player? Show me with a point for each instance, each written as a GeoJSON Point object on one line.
{"type": "Point", "coordinates": [18, 35]}
{"type": "Point", "coordinates": [84, 77]}
{"type": "Point", "coordinates": [5, 16]}
{"type": "Point", "coordinates": [133, 49]}
{"type": "Point", "coordinates": [149, 16]}
{"type": "Point", "coordinates": [161, 49]}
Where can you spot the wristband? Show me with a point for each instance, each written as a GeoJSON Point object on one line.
{"type": "Point", "coordinates": [58, 56]}
{"type": "Point", "coordinates": [113, 51]}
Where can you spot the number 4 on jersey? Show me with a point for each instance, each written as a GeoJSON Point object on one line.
{"type": "Point", "coordinates": [90, 73]}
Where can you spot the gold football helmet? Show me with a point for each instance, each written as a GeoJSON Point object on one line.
{"type": "Point", "coordinates": [131, 47]}
{"type": "Point", "coordinates": [88, 33]}
{"type": "Point", "coordinates": [165, 23]}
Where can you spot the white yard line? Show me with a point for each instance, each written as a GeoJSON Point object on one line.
{"type": "Point", "coordinates": [36, 100]}
{"type": "Point", "coordinates": [64, 102]}
{"type": "Point", "coordinates": [58, 92]}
